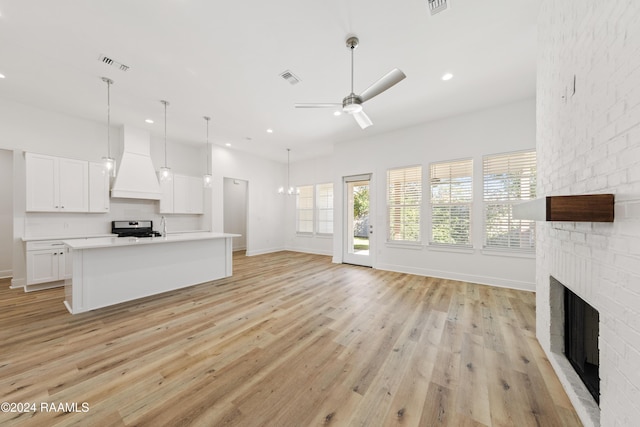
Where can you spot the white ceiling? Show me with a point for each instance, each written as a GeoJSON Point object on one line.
{"type": "Point", "coordinates": [223, 59]}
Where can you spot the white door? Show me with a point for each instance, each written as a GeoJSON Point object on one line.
{"type": "Point", "coordinates": [73, 180]}
{"type": "Point", "coordinates": [42, 183]}
{"type": "Point", "coordinates": [358, 216]}
{"type": "Point", "coordinates": [42, 266]}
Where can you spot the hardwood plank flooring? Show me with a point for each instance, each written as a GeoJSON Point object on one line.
{"type": "Point", "coordinates": [290, 340]}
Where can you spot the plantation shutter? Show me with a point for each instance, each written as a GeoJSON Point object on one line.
{"type": "Point", "coordinates": [451, 199]}
{"type": "Point", "coordinates": [304, 209]}
{"type": "Point", "coordinates": [324, 206]}
{"type": "Point", "coordinates": [508, 179]}
{"type": "Point", "coordinates": [404, 198]}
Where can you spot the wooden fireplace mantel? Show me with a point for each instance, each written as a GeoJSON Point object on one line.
{"type": "Point", "coordinates": [583, 208]}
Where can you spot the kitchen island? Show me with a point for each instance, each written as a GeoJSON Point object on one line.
{"type": "Point", "coordinates": [112, 270]}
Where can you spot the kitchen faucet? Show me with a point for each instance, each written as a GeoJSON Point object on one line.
{"type": "Point", "coordinates": [163, 226]}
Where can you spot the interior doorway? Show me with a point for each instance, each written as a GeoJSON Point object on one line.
{"type": "Point", "coordinates": [6, 213]}
{"type": "Point", "coordinates": [235, 193]}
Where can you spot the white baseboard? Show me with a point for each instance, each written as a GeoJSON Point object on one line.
{"type": "Point", "coordinates": [451, 275]}
{"type": "Point", "coordinates": [264, 251]}
{"type": "Point", "coordinates": [18, 283]}
{"type": "Point", "coordinates": [6, 274]}
{"type": "Point", "coordinates": [310, 251]}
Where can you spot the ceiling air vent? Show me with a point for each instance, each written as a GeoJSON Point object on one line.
{"type": "Point", "coordinates": [290, 77]}
{"type": "Point", "coordinates": [437, 6]}
{"type": "Point", "coordinates": [114, 63]}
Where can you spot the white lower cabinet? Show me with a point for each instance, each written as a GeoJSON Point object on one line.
{"type": "Point", "coordinates": [48, 262]}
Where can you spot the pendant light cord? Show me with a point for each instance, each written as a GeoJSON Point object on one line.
{"type": "Point", "coordinates": [109, 82]}
{"type": "Point", "coordinates": [109, 118]}
{"type": "Point", "coordinates": [208, 147]}
{"type": "Point", "coordinates": [165, 132]}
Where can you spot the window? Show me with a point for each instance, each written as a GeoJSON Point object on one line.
{"type": "Point", "coordinates": [508, 179]}
{"type": "Point", "coordinates": [324, 208]}
{"type": "Point", "coordinates": [404, 196]}
{"type": "Point", "coordinates": [451, 197]}
{"type": "Point", "coordinates": [304, 209]}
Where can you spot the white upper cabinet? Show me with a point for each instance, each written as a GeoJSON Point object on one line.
{"type": "Point", "coordinates": [98, 188]}
{"type": "Point", "coordinates": [56, 184]}
{"type": "Point", "coordinates": [183, 195]}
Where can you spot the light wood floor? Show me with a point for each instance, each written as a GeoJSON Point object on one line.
{"type": "Point", "coordinates": [290, 340]}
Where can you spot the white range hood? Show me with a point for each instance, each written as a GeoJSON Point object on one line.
{"type": "Point", "coordinates": [136, 176]}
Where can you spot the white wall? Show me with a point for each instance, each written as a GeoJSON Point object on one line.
{"type": "Point", "coordinates": [265, 207]}
{"type": "Point", "coordinates": [309, 172]}
{"type": "Point", "coordinates": [6, 212]}
{"type": "Point", "coordinates": [589, 142]}
{"type": "Point", "coordinates": [496, 130]}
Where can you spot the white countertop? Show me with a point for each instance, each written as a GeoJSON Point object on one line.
{"type": "Point", "coordinates": [107, 242]}
{"type": "Point", "coordinates": [64, 237]}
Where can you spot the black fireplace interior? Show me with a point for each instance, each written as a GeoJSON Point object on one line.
{"type": "Point", "coordinates": [581, 330]}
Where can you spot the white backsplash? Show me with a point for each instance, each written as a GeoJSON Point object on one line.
{"type": "Point", "coordinates": [44, 224]}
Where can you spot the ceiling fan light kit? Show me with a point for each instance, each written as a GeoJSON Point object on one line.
{"type": "Point", "coordinates": [352, 103]}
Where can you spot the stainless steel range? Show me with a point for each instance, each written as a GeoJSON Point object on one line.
{"type": "Point", "coordinates": [134, 229]}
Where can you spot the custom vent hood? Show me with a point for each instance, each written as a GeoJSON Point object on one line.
{"type": "Point", "coordinates": [136, 178]}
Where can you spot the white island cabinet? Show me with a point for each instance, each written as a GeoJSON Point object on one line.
{"type": "Point", "coordinates": [112, 270]}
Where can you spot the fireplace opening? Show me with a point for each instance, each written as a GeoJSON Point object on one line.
{"type": "Point", "coordinates": [581, 331]}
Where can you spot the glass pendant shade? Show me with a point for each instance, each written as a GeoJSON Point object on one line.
{"type": "Point", "coordinates": [165, 174]}
{"type": "Point", "coordinates": [206, 180]}
{"type": "Point", "coordinates": [109, 166]}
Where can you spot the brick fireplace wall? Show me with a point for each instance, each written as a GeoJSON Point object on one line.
{"type": "Point", "coordinates": [588, 141]}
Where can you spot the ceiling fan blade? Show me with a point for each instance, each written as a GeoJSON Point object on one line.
{"type": "Point", "coordinates": [318, 105]}
{"type": "Point", "coordinates": [392, 78]}
{"type": "Point", "coordinates": [363, 120]}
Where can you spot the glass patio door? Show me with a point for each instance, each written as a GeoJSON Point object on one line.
{"type": "Point", "coordinates": [358, 229]}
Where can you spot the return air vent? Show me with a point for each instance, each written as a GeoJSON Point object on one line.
{"type": "Point", "coordinates": [114, 63]}
{"type": "Point", "coordinates": [290, 77]}
{"type": "Point", "coordinates": [437, 6]}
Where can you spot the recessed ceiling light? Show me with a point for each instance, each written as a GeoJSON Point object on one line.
{"type": "Point", "coordinates": [447, 76]}
{"type": "Point", "coordinates": [269, 130]}
{"type": "Point", "coordinates": [337, 113]}
{"type": "Point", "coordinates": [1, 76]}
{"type": "Point", "coordinates": [228, 144]}
{"type": "Point", "coordinates": [149, 121]}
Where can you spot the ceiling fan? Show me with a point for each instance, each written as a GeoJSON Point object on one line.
{"type": "Point", "coordinates": [352, 103]}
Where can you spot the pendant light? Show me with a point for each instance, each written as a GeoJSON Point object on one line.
{"type": "Point", "coordinates": [108, 161]}
{"type": "Point", "coordinates": [290, 190]}
{"type": "Point", "coordinates": [165, 171]}
{"type": "Point", "coordinates": [207, 178]}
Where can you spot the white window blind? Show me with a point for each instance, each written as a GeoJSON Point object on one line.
{"type": "Point", "coordinates": [451, 199]}
{"type": "Point", "coordinates": [324, 208]}
{"type": "Point", "coordinates": [404, 198]}
{"type": "Point", "coordinates": [508, 179]}
{"type": "Point", "coordinates": [304, 209]}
